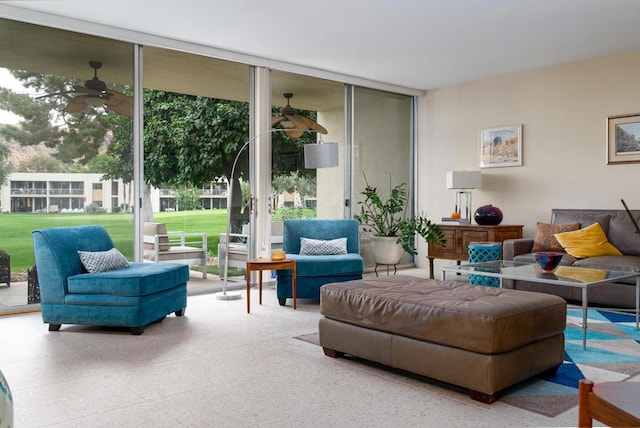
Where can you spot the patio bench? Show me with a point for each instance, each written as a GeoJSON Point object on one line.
{"type": "Point", "coordinates": [176, 247]}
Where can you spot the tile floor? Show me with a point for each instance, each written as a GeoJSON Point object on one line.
{"type": "Point", "coordinates": [220, 367]}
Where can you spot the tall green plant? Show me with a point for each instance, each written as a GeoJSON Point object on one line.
{"type": "Point", "coordinates": [188, 200]}
{"type": "Point", "coordinates": [388, 217]}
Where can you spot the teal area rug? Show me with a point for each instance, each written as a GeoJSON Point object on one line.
{"type": "Point", "coordinates": [612, 354]}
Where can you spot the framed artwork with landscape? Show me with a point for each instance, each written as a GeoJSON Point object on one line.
{"type": "Point", "coordinates": [501, 146]}
{"type": "Point", "coordinates": [623, 139]}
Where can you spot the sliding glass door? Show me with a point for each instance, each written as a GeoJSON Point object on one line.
{"type": "Point", "coordinates": [298, 191]}
{"type": "Point", "coordinates": [64, 96]}
{"type": "Point", "coordinates": [196, 121]}
{"type": "Point", "coordinates": [382, 136]}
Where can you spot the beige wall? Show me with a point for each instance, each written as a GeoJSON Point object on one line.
{"type": "Point", "coordinates": [330, 181]}
{"type": "Point", "coordinates": [563, 111]}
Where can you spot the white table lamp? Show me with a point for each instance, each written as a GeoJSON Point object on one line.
{"type": "Point", "coordinates": [463, 181]}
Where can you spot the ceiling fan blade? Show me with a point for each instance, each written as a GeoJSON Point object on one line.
{"type": "Point", "coordinates": [76, 105]}
{"type": "Point", "coordinates": [117, 105]}
{"type": "Point", "coordinates": [277, 120]}
{"type": "Point", "coordinates": [119, 96]}
{"type": "Point", "coordinates": [312, 125]}
{"type": "Point", "coordinates": [294, 133]}
{"type": "Point", "coordinates": [82, 89]}
{"type": "Point", "coordinates": [73, 91]}
{"type": "Point", "coordinates": [298, 123]}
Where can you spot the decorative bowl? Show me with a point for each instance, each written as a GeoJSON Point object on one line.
{"type": "Point", "coordinates": [548, 260]}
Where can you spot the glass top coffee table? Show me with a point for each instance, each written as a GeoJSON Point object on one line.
{"type": "Point", "coordinates": [567, 276]}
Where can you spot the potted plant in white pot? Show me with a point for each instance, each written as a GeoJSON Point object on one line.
{"type": "Point", "coordinates": [393, 230]}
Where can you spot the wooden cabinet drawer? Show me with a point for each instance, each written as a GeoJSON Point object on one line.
{"type": "Point", "coordinates": [459, 236]}
{"type": "Point", "coordinates": [451, 248]}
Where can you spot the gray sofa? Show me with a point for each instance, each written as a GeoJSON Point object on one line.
{"type": "Point", "coordinates": [620, 232]}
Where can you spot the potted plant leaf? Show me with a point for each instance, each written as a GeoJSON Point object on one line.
{"type": "Point", "coordinates": [393, 229]}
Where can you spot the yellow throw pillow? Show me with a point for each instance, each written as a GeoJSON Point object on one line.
{"type": "Point", "coordinates": [588, 242]}
{"type": "Point", "coordinates": [580, 274]}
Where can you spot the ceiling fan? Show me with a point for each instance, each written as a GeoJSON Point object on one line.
{"type": "Point", "coordinates": [95, 93]}
{"type": "Point", "coordinates": [299, 124]}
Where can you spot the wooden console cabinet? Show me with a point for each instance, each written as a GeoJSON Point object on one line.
{"type": "Point", "coordinates": [459, 236]}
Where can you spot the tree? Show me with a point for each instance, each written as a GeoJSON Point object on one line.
{"type": "Point", "coordinates": [191, 141]}
{"type": "Point", "coordinates": [5, 165]}
{"type": "Point", "coordinates": [42, 163]}
{"type": "Point", "coordinates": [188, 200]}
{"type": "Point", "coordinates": [188, 140]}
{"type": "Point", "coordinates": [76, 137]}
{"type": "Point", "coordinates": [294, 182]}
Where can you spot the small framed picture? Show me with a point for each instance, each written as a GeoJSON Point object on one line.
{"type": "Point", "coordinates": [623, 139]}
{"type": "Point", "coordinates": [501, 146]}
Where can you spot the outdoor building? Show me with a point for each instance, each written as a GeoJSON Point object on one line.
{"type": "Point", "coordinates": [36, 192]}
{"type": "Point", "coordinates": [73, 192]}
{"type": "Point", "coordinates": [59, 192]}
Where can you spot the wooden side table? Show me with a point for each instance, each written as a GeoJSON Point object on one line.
{"type": "Point", "coordinates": [612, 403]}
{"type": "Point", "coordinates": [261, 264]}
{"type": "Point", "coordinates": [460, 236]}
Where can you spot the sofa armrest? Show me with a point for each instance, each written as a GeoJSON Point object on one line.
{"type": "Point", "coordinates": [515, 247]}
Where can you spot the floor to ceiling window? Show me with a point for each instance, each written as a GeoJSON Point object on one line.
{"type": "Point", "coordinates": [383, 140]}
{"type": "Point", "coordinates": [298, 191]}
{"type": "Point", "coordinates": [70, 152]}
{"type": "Point", "coordinates": [196, 121]}
{"type": "Point", "coordinates": [68, 93]}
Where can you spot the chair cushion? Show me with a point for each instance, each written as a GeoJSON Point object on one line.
{"type": "Point", "coordinates": [139, 279]}
{"type": "Point", "coordinates": [152, 229]}
{"type": "Point", "coordinates": [320, 229]}
{"type": "Point", "coordinates": [623, 263]}
{"type": "Point", "coordinates": [325, 265]}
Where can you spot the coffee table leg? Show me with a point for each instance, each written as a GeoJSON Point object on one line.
{"type": "Point", "coordinates": [585, 306]}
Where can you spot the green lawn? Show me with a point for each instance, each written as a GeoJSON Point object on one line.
{"type": "Point", "coordinates": [15, 230]}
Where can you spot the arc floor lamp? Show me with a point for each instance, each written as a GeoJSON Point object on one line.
{"type": "Point", "coordinates": [316, 155]}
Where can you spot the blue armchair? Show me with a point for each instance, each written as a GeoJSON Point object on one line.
{"type": "Point", "coordinates": [132, 296]}
{"type": "Point", "coordinates": [313, 271]}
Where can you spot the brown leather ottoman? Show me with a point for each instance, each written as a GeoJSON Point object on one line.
{"type": "Point", "coordinates": [481, 338]}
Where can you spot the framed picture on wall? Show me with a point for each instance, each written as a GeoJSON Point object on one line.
{"type": "Point", "coordinates": [623, 139]}
{"type": "Point", "coordinates": [501, 146]}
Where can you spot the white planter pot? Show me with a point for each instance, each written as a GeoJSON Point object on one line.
{"type": "Point", "coordinates": [386, 251]}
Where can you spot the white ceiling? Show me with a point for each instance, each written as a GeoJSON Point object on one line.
{"type": "Point", "coordinates": [418, 44]}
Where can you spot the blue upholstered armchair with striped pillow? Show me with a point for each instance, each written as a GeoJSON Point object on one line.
{"type": "Point", "coordinates": [102, 288]}
{"type": "Point", "coordinates": [325, 251]}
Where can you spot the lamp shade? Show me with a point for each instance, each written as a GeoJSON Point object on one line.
{"type": "Point", "coordinates": [320, 155]}
{"type": "Point", "coordinates": [463, 179]}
